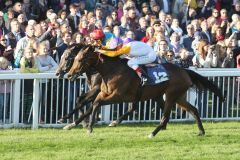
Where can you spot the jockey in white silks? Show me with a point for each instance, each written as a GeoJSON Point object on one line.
{"type": "Point", "coordinates": [138, 52]}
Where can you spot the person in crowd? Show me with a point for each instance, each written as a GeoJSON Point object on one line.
{"type": "Point", "coordinates": [83, 27]}
{"type": "Point", "coordinates": [228, 62]}
{"type": "Point", "coordinates": [62, 17]}
{"type": "Point", "coordinates": [18, 9]}
{"type": "Point", "coordinates": [44, 61]}
{"type": "Point", "coordinates": [8, 19]}
{"type": "Point", "coordinates": [5, 90]}
{"type": "Point", "coordinates": [187, 39]}
{"type": "Point", "coordinates": [170, 57]}
{"type": "Point", "coordinates": [185, 58]}
{"type": "Point", "coordinates": [66, 37]}
{"type": "Point", "coordinates": [175, 44]}
{"type": "Point", "coordinates": [5, 50]}
{"type": "Point", "coordinates": [149, 34]}
{"type": "Point", "coordinates": [175, 27]}
{"type": "Point", "coordinates": [205, 33]}
{"type": "Point", "coordinates": [15, 34]}
{"type": "Point", "coordinates": [162, 52]}
{"type": "Point", "coordinates": [22, 43]}
{"type": "Point", "coordinates": [124, 27]}
{"type": "Point", "coordinates": [22, 22]}
{"type": "Point", "coordinates": [73, 19]}
{"type": "Point", "coordinates": [205, 58]}
{"type": "Point", "coordinates": [77, 38]}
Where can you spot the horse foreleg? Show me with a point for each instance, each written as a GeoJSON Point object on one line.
{"type": "Point", "coordinates": [82, 101]}
{"type": "Point", "coordinates": [131, 108]}
{"type": "Point", "coordinates": [194, 112]}
{"type": "Point", "coordinates": [95, 106]}
{"type": "Point", "coordinates": [80, 119]}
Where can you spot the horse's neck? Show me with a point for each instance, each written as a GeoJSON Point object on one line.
{"type": "Point", "coordinates": [110, 66]}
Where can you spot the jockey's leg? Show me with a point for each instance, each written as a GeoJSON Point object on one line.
{"type": "Point", "coordinates": [134, 63]}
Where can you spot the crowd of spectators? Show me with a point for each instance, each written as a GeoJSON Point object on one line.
{"type": "Point", "coordinates": [200, 33]}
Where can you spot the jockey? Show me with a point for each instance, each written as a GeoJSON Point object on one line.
{"type": "Point", "coordinates": [139, 53]}
{"type": "Point", "coordinates": [100, 38]}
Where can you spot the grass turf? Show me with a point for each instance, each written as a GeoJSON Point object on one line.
{"type": "Point", "coordinates": [127, 141]}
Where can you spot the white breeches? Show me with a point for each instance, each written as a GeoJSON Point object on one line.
{"type": "Point", "coordinates": [140, 53]}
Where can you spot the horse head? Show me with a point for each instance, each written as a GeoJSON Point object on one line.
{"type": "Point", "coordinates": [85, 59]}
{"type": "Point", "coordinates": [67, 60]}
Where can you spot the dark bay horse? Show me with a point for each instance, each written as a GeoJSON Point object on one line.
{"type": "Point", "coordinates": [121, 84]}
{"type": "Point", "coordinates": [94, 80]}
{"type": "Point", "coordinates": [94, 83]}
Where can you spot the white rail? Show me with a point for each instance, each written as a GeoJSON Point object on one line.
{"type": "Point", "coordinates": [58, 91]}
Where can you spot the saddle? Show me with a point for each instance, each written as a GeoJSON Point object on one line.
{"type": "Point", "coordinates": [155, 73]}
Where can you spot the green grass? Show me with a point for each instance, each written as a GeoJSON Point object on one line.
{"type": "Point", "coordinates": [125, 142]}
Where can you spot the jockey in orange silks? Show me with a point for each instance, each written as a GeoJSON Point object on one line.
{"type": "Point", "coordinates": [139, 53]}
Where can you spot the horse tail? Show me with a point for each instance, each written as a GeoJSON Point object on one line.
{"type": "Point", "coordinates": [203, 82]}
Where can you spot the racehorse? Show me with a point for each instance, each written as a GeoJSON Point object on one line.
{"type": "Point", "coordinates": [121, 84]}
{"type": "Point", "coordinates": [94, 83]}
{"type": "Point", "coordinates": [94, 80]}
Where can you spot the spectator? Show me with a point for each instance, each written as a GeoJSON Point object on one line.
{"type": "Point", "coordinates": [119, 10]}
{"type": "Point", "coordinates": [162, 52]}
{"type": "Point", "coordinates": [3, 29]}
{"type": "Point", "coordinates": [66, 37]}
{"type": "Point", "coordinates": [185, 59]}
{"type": "Point", "coordinates": [73, 18]}
{"type": "Point", "coordinates": [22, 43]}
{"type": "Point", "coordinates": [175, 27]}
{"type": "Point", "coordinates": [124, 27]}
{"type": "Point", "coordinates": [170, 57]}
{"type": "Point", "coordinates": [44, 61]}
{"type": "Point", "coordinates": [141, 31]}
{"type": "Point", "coordinates": [22, 22]}
{"type": "Point", "coordinates": [149, 34]}
{"type": "Point", "coordinates": [5, 89]}
{"type": "Point", "coordinates": [205, 58]}
{"type": "Point", "coordinates": [5, 50]}
{"type": "Point", "coordinates": [28, 63]}
{"type": "Point", "coordinates": [62, 17]}
{"type": "Point", "coordinates": [18, 9]}
{"type": "Point", "coordinates": [174, 44]}
{"type": "Point", "coordinates": [228, 62]}
{"type": "Point", "coordinates": [187, 39]}
{"type": "Point", "coordinates": [83, 27]}
{"type": "Point", "coordinates": [78, 38]}
{"type": "Point", "coordinates": [8, 19]}
{"type": "Point", "coordinates": [205, 33]}
{"type": "Point", "coordinates": [114, 18]}
{"type": "Point", "coordinates": [15, 34]}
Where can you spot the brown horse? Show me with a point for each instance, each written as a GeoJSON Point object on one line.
{"type": "Point", "coordinates": [94, 80]}
{"type": "Point", "coordinates": [121, 84]}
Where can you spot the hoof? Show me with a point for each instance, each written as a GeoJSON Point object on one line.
{"type": "Point", "coordinates": [150, 135]}
{"type": "Point", "coordinates": [69, 126]}
{"type": "Point", "coordinates": [113, 124]}
{"type": "Point", "coordinates": [201, 133]}
{"type": "Point", "coordinates": [84, 124]}
{"type": "Point", "coordinates": [60, 121]}
{"type": "Point", "coordinates": [89, 131]}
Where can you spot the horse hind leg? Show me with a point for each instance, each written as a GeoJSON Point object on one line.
{"type": "Point", "coordinates": [194, 112]}
{"type": "Point", "coordinates": [132, 107]}
{"type": "Point", "coordinates": [169, 102]}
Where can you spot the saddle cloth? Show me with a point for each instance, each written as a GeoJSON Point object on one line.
{"type": "Point", "coordinates": [155, 73]}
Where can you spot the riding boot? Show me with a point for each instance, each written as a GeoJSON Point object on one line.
{"type": "Point", "coordinates": [141, 75]}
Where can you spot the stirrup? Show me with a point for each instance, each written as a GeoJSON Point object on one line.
{"type": "Point", "coordinates": [143, 80]}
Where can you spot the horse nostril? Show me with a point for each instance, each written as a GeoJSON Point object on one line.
{"type": "Point", "coordinates": [57, 74]}
{"type": "Point", "coordinates": [69, 75]}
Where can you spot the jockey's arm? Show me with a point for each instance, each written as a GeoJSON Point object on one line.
{"type": "Point", "coordinates": [111, 53]}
